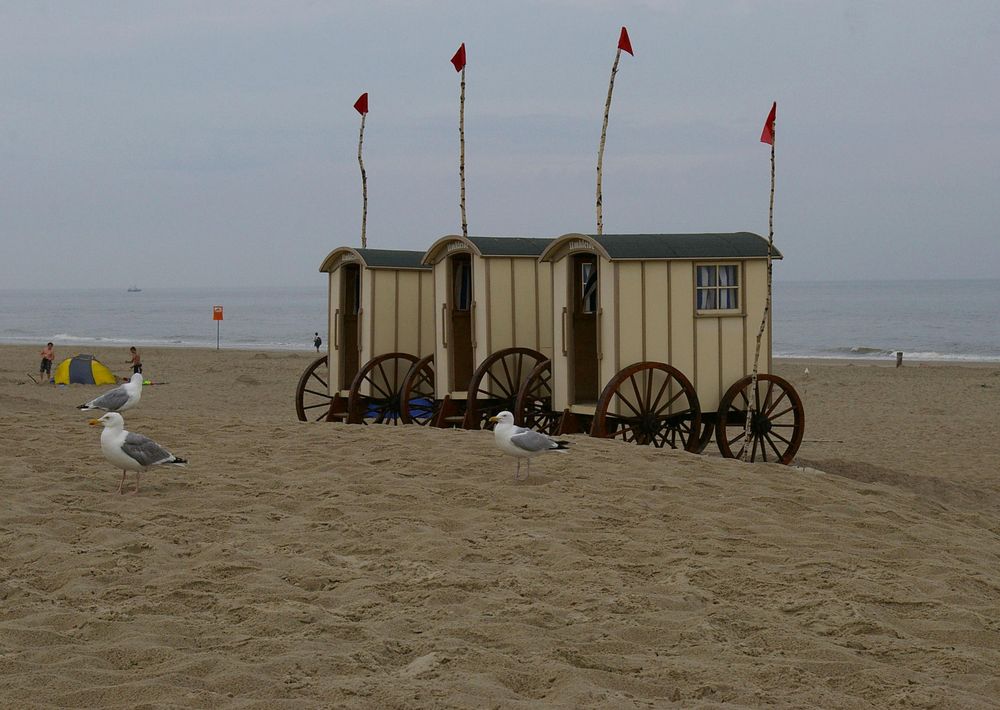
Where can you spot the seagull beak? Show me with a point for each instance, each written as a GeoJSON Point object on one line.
{"type": "Point", "coordinates": [93, 422]}
{"type": "Point", "coordinates": [494, 420]}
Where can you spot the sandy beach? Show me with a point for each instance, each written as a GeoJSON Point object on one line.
{"type": "Point", "coordinates": [296, 565]}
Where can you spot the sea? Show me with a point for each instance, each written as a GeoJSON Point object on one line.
{"type": "Point", "coordinates": [942, 320]}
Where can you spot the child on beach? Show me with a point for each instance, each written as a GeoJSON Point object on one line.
{"type": "Point", "coordinates": [317, 341]}
{"type": "Point", "coordinates": [135, 361]}
{"type": "Point", "coordinates": [45, 369]}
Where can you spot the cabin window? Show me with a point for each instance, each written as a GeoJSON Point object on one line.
{"type": "Point", "coordinates": [588, 287]}
{"type": "Point", "coordinates": [718, 287]}
{"type": "Point", "coordinates": [462, 283]}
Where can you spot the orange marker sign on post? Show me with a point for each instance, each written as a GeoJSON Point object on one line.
{"type": "Point", "coordinates": [217, 316]}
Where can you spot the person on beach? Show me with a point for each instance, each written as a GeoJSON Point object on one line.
{"type": "Point", "coordinates": [317, 341]}
{"type": "Point", "coordinates": [45, 368]}
{"type": "Point", "coordinates": [135, 361]}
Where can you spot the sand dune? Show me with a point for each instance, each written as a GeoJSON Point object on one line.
{"type": "Point", "coordinates": [321, 565]}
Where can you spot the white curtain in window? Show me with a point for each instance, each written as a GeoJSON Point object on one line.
{"type": "Point", "coordinates": [728, 297]}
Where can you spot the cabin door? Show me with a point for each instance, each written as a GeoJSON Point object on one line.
{"type": "Point", "coordinates": [460, 312]}
{"type": "Point", "coordinates": [350, 308]}
{"type": "Point", "coordinates": [583, 303]}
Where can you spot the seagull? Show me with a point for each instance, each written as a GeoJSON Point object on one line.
{"type": "Point", "coordinates": [522, 443]}
{"type": "Point", "coordinates": [131, 451]}
{"type": "Point", "coordinates": [120, 398]}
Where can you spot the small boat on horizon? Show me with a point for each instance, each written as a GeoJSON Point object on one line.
{"type": "Point", "coordinates": [134, 289]}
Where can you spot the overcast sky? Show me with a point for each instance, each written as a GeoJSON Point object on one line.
{"type": "Point", "coordinates": [213, 142]}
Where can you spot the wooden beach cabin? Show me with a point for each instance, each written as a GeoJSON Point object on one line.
{"type": "Point", "coordinates": [493, 325]}
{"type": "Point", "coordinates": [380, 322]}
{"type": "Point", "coordinates": [654, 337]}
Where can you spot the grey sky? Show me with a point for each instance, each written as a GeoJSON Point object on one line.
{"type": "Point", "coordinates": [215, 142]}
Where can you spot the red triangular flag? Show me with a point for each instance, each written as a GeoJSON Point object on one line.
{"type": "Point", "coordinates": [767, 135]}
{"type": "Point", "coordinates": [624, 43]}
{"type": "Point", "coordinates": [361, 105]}
{"type": "Point", "coordinates": [459, 59]}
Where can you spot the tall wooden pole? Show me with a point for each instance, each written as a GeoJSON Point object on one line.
{"type": "Point", "coordinates": [624, 43]}
{"type": "Point", "coordinates": [604, 137]}
{"type": "Point", "coordinates": [461, 155]}
{"type": "Point", "coordinates": [364, 184]}
{"type": "Point", "coordinates": [767, 312]}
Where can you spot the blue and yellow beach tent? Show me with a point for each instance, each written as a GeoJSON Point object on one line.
{"type": "Point", "coordinates": [83, 370]}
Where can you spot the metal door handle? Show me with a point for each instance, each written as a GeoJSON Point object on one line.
{"type": "Point", "coordinates": [564, 312]}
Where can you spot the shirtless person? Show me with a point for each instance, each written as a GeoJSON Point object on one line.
{"type": "Point", "coordinates": [45, 369]}
{"type": "Point", "coordinates": [135, 360]}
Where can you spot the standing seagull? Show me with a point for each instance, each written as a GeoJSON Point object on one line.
{"type": "Point", "coordinates": [130, 451]}
{"type": "Point", "coordinates": [120, 398]}
{"type": "Point", "coordinates": [522, 443]}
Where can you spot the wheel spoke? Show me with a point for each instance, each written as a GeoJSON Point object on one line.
{"type": "Point", "coordinates": [318, 394]}
{"type": "Point", "coordinates": [624, 430]}
{"type": "Point", "coordinates": [672, 400]}
{"type": "Point", "coordinates": [779, 436]}
{"type": "Point", "coordinates": [504, 390]}
{"type": "Point", "coordinates": [321, 404]}
{"type": "Point", "coordinates": [627, 403]}
{"type": "Point", "coordinates": [776, 402]}
{"type": "Point", "coordinates": [767, 397]}
{"type": "Point", "coordinates": [322, 381]}
{"type": "Point", "coordinates": [367, 378]}
{"type": "Point", "coordinates": [777, 454]}
{"type": "Point", "coordinates": [782, 413]}
{"type": "Point", "coordinates": [506, 371]}
{"type": "Point", "coordinates": [663, 388]}
{"type": "Point", "coordinates": [638, 397]}
{"type": "Point", "coordinates": [385, 377]}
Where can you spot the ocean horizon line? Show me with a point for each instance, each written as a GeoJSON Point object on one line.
{"type": "Point", "coordinates": [322, 285]}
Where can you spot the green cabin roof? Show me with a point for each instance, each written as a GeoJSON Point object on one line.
{"type": "Point", "coordinates": [714, 245]}
{"type": "Point", "coordinates": [373, 258]}
{"type": "Point", "coordinates": [510, 246]}
{"type": "Point", "coordinates": [391, 258]}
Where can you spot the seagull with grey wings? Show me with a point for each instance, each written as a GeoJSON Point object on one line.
{"type": "Point", "coordinates": [130, 451]}
{"type": "Point", "coordinates": [120, 398]}
{"type": "Point", "coordinates": [522, 443]}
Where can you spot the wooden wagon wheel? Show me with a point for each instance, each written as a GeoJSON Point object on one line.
{"type": "Point", "coordinates": [382, 376]}
{"type": "Point", "coordinates": [707, 431]}
{"type": "Point", "coordinates": [776, 428]}
{"type": "Point", "coordinates": [312, 395]}
{"type": "Point", "coordinates": [495, 383]}
{"type": "Point", "coordinates": [416, 403]}
{"type": "Point", "coordinates": [533, 407]}
{"type": "Point", "coordinates": [649, 403]}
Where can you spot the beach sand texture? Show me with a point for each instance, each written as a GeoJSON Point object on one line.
{"type": "Point", "coordinates": [298, 565]}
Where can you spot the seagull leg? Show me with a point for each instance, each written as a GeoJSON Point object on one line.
{"type": "Point", "coordinates": [136, 483]}
{"type": "Point", "coordinates": [122, 483]}
{"type": "Point", "coordinates": [528, 474]}
{"type": "Point", "coordinates": [517, 471]}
